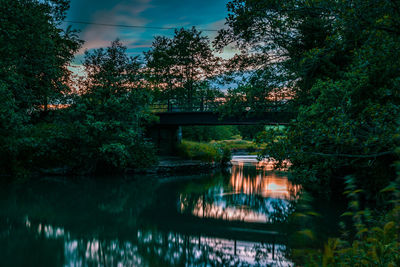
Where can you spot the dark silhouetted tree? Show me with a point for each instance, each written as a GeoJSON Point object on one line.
{"type": "Point", "coordinates": [181, 67]}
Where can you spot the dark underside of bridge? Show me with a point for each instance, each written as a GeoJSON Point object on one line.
{"type": "Point", "coordinates": [166, 134]}
{"type": "Point", "coordinates": [213, 118]}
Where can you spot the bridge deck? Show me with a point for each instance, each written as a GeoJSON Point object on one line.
{"type": "Point", "coordinates": [214, 118]}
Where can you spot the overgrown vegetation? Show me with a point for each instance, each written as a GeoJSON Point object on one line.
{"type": "Point", "coordinates": [337, 63]}
{"type": "Point", "coordinates": [370, 238]}
{"type": "Point", "coordinates": [34, 56]}
{"type": "Point", "coordinates": [235, 138]}
{"type": "Point", "coordinates": [108, 115]}
{"type": "Point", "coordinates": [224, 132]}
{"type": "Point", "coordinates": [179, 69]}
{"type": "Point", "coordinates": [208, 152]}
{"type": "Point", "coordinates": [45, 122]}
{"type": "Point", "coordinates": [241, 145]}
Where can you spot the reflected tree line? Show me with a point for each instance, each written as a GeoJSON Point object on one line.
{"type": "Point", "coordinates": [56, 222]}
{"type": "Point", "coordinates": [150, 248]}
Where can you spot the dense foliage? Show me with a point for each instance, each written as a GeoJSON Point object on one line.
{"type": "Point", "coordinates": [35, 52]}
{"type": "Point", "coordinates": [45, 124]}
{"type": "Point", "coordinates": [181, 68]}
{"type": "Point", "coordinates": [339, 60]}
{"type": "Point", "coordinates": [373, 238]}
{"type": "Point", "coordinates": [34, 56]}
{"type": "Point", "coordinates": [223, 132]}
{"type": "Point", "coordinates": [110, 112]}
{"type": "Point", "coordinates": [101, 131]}
{"type": "Point", "coordinates": [208, 152]}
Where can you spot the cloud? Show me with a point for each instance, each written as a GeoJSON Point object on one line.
{"type": "Point", "coordinates": [205, 14]}
{"type": "Point", "coordinates": [132, 46]}
{"type": "Point", "coordinates": [216, 25]}
{"type": "Point", "coordinates": [124, 13]}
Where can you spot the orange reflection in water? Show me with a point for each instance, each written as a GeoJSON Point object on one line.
{"type": "Point", "coordinates": [236, 200]}
{"type": "Point", "coordinates": [266, 184]}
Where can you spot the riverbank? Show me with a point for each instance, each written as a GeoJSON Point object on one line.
{"type": "Point", "coordinates": [177, 165]}
{"type": "Point", "coordinates": [167, 165]}
{"type": "Point", "coordinates": [192, 157]}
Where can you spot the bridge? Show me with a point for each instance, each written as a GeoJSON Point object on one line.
{"type": "Point", "coordinates": [174, 113]}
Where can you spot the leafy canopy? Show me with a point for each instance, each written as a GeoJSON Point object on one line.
{"type": "Point", "coordinates": [339, 61]}
{"type": "Point", "coordinates": [181, 67]}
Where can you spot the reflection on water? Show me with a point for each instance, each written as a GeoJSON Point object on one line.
{"type": "Point", "coordinates": [253, 194]}
{"type": "Point", "coordinates": [264, 183]}
{"type": "Point", "coordinates": [148, 248]}
{"type": "Point", "coordinates": [143, 222]}
{"type": "Point", "coordinates": [266, 164]}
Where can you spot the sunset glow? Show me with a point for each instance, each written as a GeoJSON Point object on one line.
{"type": "Point", "coordinates": [232, 203]}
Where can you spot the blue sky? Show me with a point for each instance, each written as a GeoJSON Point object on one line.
{"type": "Point", "coordinates": [204, 14]}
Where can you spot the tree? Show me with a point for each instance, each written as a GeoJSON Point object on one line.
{"type": "Point", "coordinates": [181, 67]}
{"type": "Point", "coordinates": [339, 59]}
{"type": "Point", "coordinates": [35, 51]}
{"type": "Point", "coordinates": [278, 35]}
{"type": "Point", "coordinates": [111, 112]}
{"type": "Point", "coordinates": [34, 56]}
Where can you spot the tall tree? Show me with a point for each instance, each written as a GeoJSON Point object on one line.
{"type": "Point", "coordinates": [340, 60]}
{"type": "Point", "coordinates": [180, 67]}
{"type": "Point", "coordinates": [111, 111]}
{"type": "Point", "coordinates": [35, 51]}
{"type": "Point", "coordinates": [34, 55]}
{"type": "Point", "coordinates": [273, 37]}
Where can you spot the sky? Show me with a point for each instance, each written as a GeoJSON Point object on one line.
{"type": "Point", "coordinates": [204, 14]}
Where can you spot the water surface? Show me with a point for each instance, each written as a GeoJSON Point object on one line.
{"type": "Point", "coordinates": [233, 218]}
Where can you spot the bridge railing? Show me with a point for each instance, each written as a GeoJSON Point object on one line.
{"type": "Point", "coordinates": [213, 105]}
{"type": "Point", "coordinates": [184, 105]}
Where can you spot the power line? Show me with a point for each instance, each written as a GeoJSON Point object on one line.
{"type": "Point", "coordinates": [132, 26]}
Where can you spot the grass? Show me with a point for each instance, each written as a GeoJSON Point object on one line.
{"type": "Point", "coordinates": [207, 152]}
{"type": "Point", "coordinates": [239, 144]}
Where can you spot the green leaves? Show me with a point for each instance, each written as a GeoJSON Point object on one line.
{"type": "Point", "coordinates": [34, 55]}
{"type": "Point", "coordinates": [208, 152]}
{"type": "Point", "coordinates": [112, 110]}
{"type": "Point", "coordinates": [180, 67]}
{"type": "Point", "coordinates": [35, 51]}
{"type": "Point", "coordinates": [340, 65]}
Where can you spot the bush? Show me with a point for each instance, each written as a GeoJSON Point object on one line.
{"type": "Point", "coordinates": [374, 238]}
{"type": "Point", "coordinates": [208, 152]}
{"type": "Point", "coordinates": [235, 145]}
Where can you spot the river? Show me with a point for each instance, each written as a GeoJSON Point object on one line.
{"type": "Point", "coordinates": [243, 216]}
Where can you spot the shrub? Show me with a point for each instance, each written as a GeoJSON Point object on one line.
{"type": "Point", "coordinates": [208, 152]}
{"type": "Point", "coordinates": [376, 241]}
